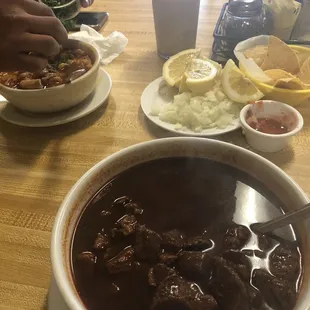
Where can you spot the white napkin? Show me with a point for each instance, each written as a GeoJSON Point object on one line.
{"type": "Point", "coordinates": [285, 14]}
{"type": "Point", "coordinates": [109, 47]}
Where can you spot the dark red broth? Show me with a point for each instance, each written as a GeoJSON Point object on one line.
{"type": "Point", "coordinates": [175, 234]}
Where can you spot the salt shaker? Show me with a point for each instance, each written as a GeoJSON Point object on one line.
{"type": "Point", "coordinates": [176, 23]}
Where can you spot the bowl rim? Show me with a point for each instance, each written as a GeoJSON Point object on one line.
{"type": "Point", "coordinates": [283, 90]}
{"type": "Point", "coordinates": [245, 125]}
{"type": "Point", "coordinates": [57, 257]}
{"type": "Point", "coordinates": [93, 68]}
{"type": "Point", "coordinates": [61, 6]}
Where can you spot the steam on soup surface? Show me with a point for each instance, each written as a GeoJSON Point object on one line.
{"type": "Point", "coordinates": [175, 234]}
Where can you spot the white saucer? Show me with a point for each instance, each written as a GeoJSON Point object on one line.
{"type": "Point", "coordinates": [151, 94]}
{"type": "Point", "coordinates": [55, 300]}
{"type": "Point", "coordinates": [101, 92]}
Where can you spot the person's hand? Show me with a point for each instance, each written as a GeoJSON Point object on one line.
{"type": "Point", "coordinates": [86, 3]}
{"type": "Point", "coordinates": [30, 33]}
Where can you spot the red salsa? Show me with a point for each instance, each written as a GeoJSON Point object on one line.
{"type": "Point", "coordinates": [268, 125]}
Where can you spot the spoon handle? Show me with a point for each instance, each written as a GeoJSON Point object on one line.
{"type": "Point", "coordinates": [285, 219]}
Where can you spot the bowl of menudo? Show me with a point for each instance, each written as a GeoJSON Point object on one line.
{"type": "Point", "coordinates": [66, 81]}
{"type": "Point", "coordinates": [168, 224]}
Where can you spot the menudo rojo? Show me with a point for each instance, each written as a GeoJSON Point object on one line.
{"type": "Point", "coordinates": [61, 69]}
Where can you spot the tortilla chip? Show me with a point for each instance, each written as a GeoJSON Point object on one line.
{"type": "Point", "coordinates": [257, 53]}
{"type": "Point", "coordinates": [277, 74]}
{"type": "Point", "coordinates": [283, 79]}
{"type": "Point", "coordinates": [302, 55]}
{"type": "Point", "coordinates": [304, 73]}
{"type": "Point", "coordinates": [280, 56]}
{"type": "Point", "coordinates": [290, 83]}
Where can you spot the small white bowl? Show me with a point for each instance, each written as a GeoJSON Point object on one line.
{"type": "Point", "coordinates": [57, 98]}
{"type": "Point", "coordinates": [266, 142]}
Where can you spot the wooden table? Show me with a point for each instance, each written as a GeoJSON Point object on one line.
{"type": "Point", "coordinates": [38, 166]}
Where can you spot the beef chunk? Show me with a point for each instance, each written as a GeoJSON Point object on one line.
{"type": "Point", "coordinates": [227, 287]}
{"type": "Point", "coordinates": [236, 237]}
{"type": "Point", "coordinates": [159, 273]}
{"type": "Point", "coordinates": [102, 242]}
{"type": "Point", "coordinates": [124, 261]}
{"type": "Point", "coordinates": [172, 241]}
{"type": "Point", "coordinates": [178, 294]}
{"type": "Point", "coordinates": [198, 243]}
{"type": "Point", "coordinates": [279, 294]}
{"type": "Point", "coordinates": [121, 201]}
{"type": "Point", "coordinates": [206, 302]}
{"type": "Point", "coordinates": [194, 265]}
{"type": "Point", "coordinates": [117, 234]}
{"type": "Point", "coordinates": [285, 262]}
{"type": "Point", "coordinates": [133, 208]}
{"type": "Point", "coordinates": [127, 224]}
{"type": "Point", "coordinates": [167, 258]}
{"type": "Point", "coordinates": [265, 243]}
{"type": "Point", "coordinates": [239, 262]}
{"type": "Point", "coordinates": [255, 298]}
{"type": "Point", "coordinates": [86, 262]}
{"type": "Point", "coordinates": [147, 244]}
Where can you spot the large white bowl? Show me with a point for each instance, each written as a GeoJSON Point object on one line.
{"type": "Point", "coordinates": [258, 167]}
{"type": "Point", "coordinates": [60, 97]}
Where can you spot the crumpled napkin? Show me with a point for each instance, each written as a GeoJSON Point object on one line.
{"type": "Point", "coordinates": [109, 47]}
{"type": "Point", "coordinates": [284, 14]}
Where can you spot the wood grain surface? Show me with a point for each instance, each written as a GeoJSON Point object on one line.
{"type": "Point", "coordinates": [38, 166]}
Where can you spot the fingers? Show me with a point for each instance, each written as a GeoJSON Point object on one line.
{"type": "Point", "coordinates": [43, 45]}
{"type": "Point", "coordinates": [50, 26]}
{"type": "Point", "coordinates": [31, 63]}
{"type": "Point", "coordinates": [37, 8]}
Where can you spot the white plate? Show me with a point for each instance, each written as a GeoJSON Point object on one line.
{"type": "Point", "coordinates": [101, 92]}
{"type": "Point", "coordinates": [151, 94]}
{"type": "Point", "coordinates": [54, 300]}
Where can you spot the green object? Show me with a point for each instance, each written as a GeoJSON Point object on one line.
{"type": "Point", "coordinates": [69, 24]}
{"type": "Point", "coordinates": [53, 3]}
{"type": "Point", "coordinates": [64, 9]}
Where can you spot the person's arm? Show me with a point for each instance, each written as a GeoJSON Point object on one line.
{"type": "Point", "coordinates": [30, 33]}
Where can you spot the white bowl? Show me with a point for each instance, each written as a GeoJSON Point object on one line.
{"type": "Point", "coordinates": [60, 97]}
{"type": "Point", "coordinates": [258, 167]}
{"type": "Point", "coordinates": [265, 142]}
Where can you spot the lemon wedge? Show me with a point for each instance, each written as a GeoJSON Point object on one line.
{"type": "Point", "coordinates": [176, 65]}
{"type": "Point", "coordinates": [237, 86]}
{"type": "Point", "coordinates": [200, 76]}
{"type": "Point", "coordinates": [183, 86]}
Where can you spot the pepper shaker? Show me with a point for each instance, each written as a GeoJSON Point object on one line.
{"type": "Point", "coordinates": [244, 19]}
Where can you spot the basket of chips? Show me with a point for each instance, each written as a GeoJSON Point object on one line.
{"type": "Point", "coordinates": [280, 71]}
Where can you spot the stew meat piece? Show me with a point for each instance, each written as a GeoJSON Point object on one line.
{"type": "Point", "coordinates": [159, 273]}
{"type": "Point", "coordinates": [178, 294]}
{"type": "Point", "coordinates": [172, 241]}
{"type": "Point", "coordinates": [284, 262]}
{"type": "Point", "coordinates": [227, 287]}
{"type": "Point", "coordinates": [198, 243]}
{"type": "Point", "coordinates": [278, 293]}
{"type": "Point", "coordinates": [194, 265]}
{"type": "Point", "coordinates": [124, 261]}
{"type": "Point", "coordinates": [147, 244]}
{"type": "Point", "coordinates": [236, 237]}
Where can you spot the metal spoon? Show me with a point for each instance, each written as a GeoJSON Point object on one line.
{"type": "Point", "coordinates": [283, 220]}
